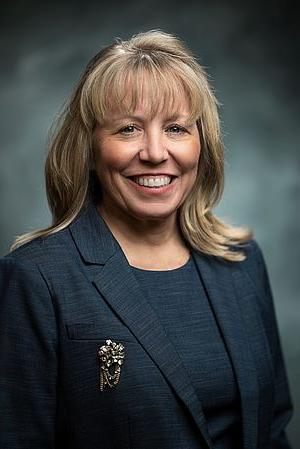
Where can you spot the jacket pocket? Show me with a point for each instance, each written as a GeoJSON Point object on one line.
{"type": "Point", "coordinates": [99, 331]}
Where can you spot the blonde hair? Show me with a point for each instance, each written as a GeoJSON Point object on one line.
{"type": "Point", "coordinates": [169, 67]}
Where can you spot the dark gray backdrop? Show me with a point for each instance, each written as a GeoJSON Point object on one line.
{"type": "Point", "coordinates": [251, 51]}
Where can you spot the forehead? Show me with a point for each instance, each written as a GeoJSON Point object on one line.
{"type": "Point", "coordinates": [149, 94]}
{"type": "Point", "coordinates": [145, 110]}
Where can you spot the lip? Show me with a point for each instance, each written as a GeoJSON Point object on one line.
{"type": "Point", "coordinates": [154, 191]}
{"type": "Point", "coordinates": [151, 174]}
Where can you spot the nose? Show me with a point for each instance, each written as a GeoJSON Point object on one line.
{"type": "Point", "coordinates": [154, 148]}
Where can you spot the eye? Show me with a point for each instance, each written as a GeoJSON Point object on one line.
{"type": "Point", "coordinates": [176, 129]}
{"type": "Point", "coordinates": [128, 129]}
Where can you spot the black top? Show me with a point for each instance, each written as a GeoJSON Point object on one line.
{"type": "Point", "coordinates": [180, 301]}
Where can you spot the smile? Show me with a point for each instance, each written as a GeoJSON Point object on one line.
{"type": "Point", "coordinates": [152, 182]}
{"type": "Point", "coordinates": [154, 185]}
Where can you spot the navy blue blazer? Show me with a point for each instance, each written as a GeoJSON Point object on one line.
{"type": "Point", "coordinates": [64, 295]}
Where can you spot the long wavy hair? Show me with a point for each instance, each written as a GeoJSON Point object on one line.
{"type": "Point", "coordinates": [164, 64]}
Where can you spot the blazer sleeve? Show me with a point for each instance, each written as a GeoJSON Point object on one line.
{"type": "Point", "coordinates": [283, 408]}
{"type": "Point", "coordinates": [28, 362]}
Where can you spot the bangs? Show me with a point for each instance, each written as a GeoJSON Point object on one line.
{"type": "Point", "coordinates": [161, 88]}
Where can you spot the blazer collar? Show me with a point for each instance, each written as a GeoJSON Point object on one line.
{"type": "Point", "coordinates": [91, 235]}
{"type": "Point", "coordinates": [117, 284]}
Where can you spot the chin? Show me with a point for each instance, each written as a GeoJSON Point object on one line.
{"type": "Point", "coordinates": [153, 213]}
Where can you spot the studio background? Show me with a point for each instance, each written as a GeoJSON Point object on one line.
{"type": "Point", "coordinates": [250, 50]}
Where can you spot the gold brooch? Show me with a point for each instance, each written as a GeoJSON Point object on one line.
{"type": "Point", "coordinates": [111, 359]}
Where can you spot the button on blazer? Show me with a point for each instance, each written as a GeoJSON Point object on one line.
{"type": "Point", "coordinates": [62, 296]}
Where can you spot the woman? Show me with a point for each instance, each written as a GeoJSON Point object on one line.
{"type": "Point", "coordinates": [139, 319]}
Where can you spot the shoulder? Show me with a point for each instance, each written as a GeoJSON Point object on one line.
{"type": "Point", "coordinates": [250, 248]}
{"type": "Point", "coordinates": [253, 262]}
{"type": "Point", "coordinates": [31, 262]}
{"type": "Point", "coordinates": [40, 250]}
{"type": "Point", "coordinates": [254, 270]}
{"type": "Point", "coordinates": [254, 259]}
{"type": "Point", "coordinates": [249, 274]}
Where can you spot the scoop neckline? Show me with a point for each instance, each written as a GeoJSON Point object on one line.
{"type": "Point", "coordinates": [172, 270]}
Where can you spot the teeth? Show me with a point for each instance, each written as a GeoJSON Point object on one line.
{"type": "Point", "coordinates": [153, 182]}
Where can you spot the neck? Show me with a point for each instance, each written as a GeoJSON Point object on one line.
{"type": "Point", "coordinates": [147, 242]}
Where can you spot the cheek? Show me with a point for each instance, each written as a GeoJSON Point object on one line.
{"type": "Point", "coordinates": [110, 157]}
{"type": "Point", "coordinates": [189, 158]}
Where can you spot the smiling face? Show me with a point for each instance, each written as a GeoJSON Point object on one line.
{"type": "Point", "coordinates": [146, 164]}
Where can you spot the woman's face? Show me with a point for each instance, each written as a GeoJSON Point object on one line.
{"type": "Point", "coordinates": [146, 166]}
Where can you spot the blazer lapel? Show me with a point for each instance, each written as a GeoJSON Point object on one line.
{"type": "Point", "coordinates": [118, 286]}
{"type": "Point", "coordinates": [219, 284]}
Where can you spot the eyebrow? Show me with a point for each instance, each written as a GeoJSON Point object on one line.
{"type": "Point", "coordinates": [141, 118]}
